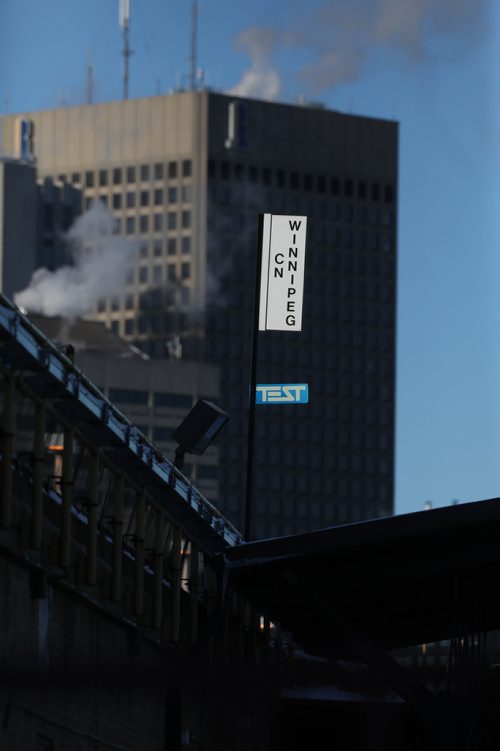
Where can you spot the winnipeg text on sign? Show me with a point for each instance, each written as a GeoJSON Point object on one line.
{"type": "Point", "coordinates": [282, 275]}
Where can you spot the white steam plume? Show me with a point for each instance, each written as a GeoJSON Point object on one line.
{"type": "Point", "coordinates": [340, 38]}
{"type": "Point", "coordinates": [261, 81]}
{"type": "Point", "coordinates": [101, 263]}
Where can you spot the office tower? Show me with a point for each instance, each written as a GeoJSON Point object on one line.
{"type": "Point", "coordinates": [18, 224]}
{"type": "Point", "coordinates": [186, 176]}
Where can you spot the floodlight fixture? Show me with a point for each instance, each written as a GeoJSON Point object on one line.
{"type": "Point", "coordinates": [198, 429]}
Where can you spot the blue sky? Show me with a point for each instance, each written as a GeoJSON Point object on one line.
{"type": "Point", "coordinates": [432, 65]}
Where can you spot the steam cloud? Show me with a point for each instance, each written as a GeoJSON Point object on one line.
{"type": "Point", "coordinates": [340, 38]}
{"type": "Point", "coordinates": [261, 80]}
{"type": "Point", "coordinates": [101, 263]}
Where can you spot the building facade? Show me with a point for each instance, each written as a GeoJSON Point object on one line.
{"type": "Point", "coordinates": [185, 176]}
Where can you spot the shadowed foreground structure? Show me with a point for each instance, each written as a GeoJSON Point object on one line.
{"type": "Point", "coordinates": [133, 616]}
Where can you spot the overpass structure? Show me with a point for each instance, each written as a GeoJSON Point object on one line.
{"type": "Point", "coordinates": [88, 506]}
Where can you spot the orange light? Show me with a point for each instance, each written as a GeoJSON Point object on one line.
{"type": "Point", "coordinates": [55, 447]}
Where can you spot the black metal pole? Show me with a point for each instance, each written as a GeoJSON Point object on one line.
{"type": "Point", "coordinates": [253, 385]}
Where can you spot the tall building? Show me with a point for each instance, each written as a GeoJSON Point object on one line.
{"type": "Point", "coordinates": [185, 176]}
{"type": "Point", "coordinates": [18, 224]}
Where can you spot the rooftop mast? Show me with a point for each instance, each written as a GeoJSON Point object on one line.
{"type": "Point", "coordinates": [194, 45]}
{"type": "Point", "coordinates": [124, 20]}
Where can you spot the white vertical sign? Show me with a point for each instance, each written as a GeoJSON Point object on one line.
{"type": "Point", "coordinates": [282, 272]}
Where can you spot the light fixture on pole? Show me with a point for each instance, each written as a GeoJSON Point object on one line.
{"type": "Point", "coordinates": [198, 429]}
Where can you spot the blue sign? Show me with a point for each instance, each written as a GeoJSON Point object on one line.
{"type": "Point", "coordinates": [282, 393]}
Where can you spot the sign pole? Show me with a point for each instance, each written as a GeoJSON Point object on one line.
{"type": "Point", "coordinates": [253, 386]}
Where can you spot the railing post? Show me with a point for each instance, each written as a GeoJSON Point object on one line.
{"type": "Point", "coordinates": [193, 592]}
{"type": "Point", "coordinates": [38, 467]}
{"type": "Point", "coordinates": [176, 585]}
{"type": "Point", "coordinates": [158, 580]}
{"type": "Point", "coordinates": [9, 396]}
{"type": "Point", "coordinates": [140, 509]}
{"type": "Point", "coordinates": [67, 498]}
{"type": "Point", "coordinates": [93, 486]}
{"type": "Point", "coordinates": [116, 571]}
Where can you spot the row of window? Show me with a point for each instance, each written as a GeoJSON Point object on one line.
{"type": "Point", "coordinates": [145, 198]}
{"type": "Point", "coordinates": [294, 180]}
{"type": "Point", "coordinates": [173, 246]}
{"type": "Point", "coordinates": [144, 224]}
{"type": "Point", "coordinates": [156, 324]}
{"type": "Point", "coordinates": [130, 174]}
{"type": "Point", "coordinates": [140, 397]}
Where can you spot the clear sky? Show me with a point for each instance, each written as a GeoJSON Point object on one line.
{"type": "Point", "coordinates": [432, 65]}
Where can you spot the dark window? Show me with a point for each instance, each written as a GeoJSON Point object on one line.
{"type": "Point", "coordinates": [144, 171]}
{"type": "Point", "coordinates": [389, 194]}
{"type": "Point", "coordinates": [280, 178]}
{"type": "Point", "coordinates": [321, 184]}
{"type": "Point", "coordinates": [172, 247]}
{"type": "Point", "coordinates": [76, 177]}
{"type": "Point", "coordinates": [89, 179]}
{"type": "Point", "coordinates": [335, 186]}
{"type": "Point", "coordinates": [187, 193]}
{"type": "Point", "coordinates": [266, 176]}
{"type": "Point", "coordinates": [252, 173]}
{"type": "Point", "coordinates": [130, 226]}
{"type": "Point", "coordinates": [308, 182]}
{"type": "Point", "coordinates": [172, 220]}
{"type": "Point", "coordinates": [130, 174]}
{"type": "Point", "coordinates": [239, 171]}
{"type": "Point", "coordinates": [143, 274]}
{"type": "Point", "coordinates": [212, 168]}
{"type": "Point", "coordinates": [172, 272]}
{"type": "Point", "coordinates": [129, 326]}
{"type": "Point", "coordinates": [130, 200]}
{"type": "Point", "coordinates": [348, 187]}
{"type": "Point", "coordinates": [375, 192]}
{"type": "Point", "coordinates": [117, 176]}
{"type": "Point", "coordinates": [158, 222]}
{"type": "Point", "coordinates": [158, 247]}
{"type": "Point", "coordinates": [362, 190]}
{"type": "Point", "coordinates": [185, 270]}
{"type": "Point", "coordinates": [162, 433]}
{"type": "Point", "coordinates": [128, 396]}
{"type": "Point", "coordinates": [186, 245]}
{"type": "Point", "coordinates": [143, 250]}
{"type": "Point", "coordinates": [144, 224]}
{"type": "Point", "coordinates": [186, 219]}
{"type": "Point", "coordinates": [207, 472]}
{"type": "Point", "coordinates": [144, 197]}
{"type": "Point", "coordinates": [172, 169]}
{"type": "Point", "coordinates": [224, 170]}
{"type": "Point", "coordinates": [103, 177]}
{"type": "Point", "coordinates": [294, 180]}
{"type": "Point", "coordinates": [158, 197]}
{"type": "Point", "coordinates": [158, 171]}
{"type": "Point", "coordinates": [163, 399]}
{"type": "Point", "coordinates": [186, 168]}
{"type": "Point", "coordinates": [172, 195]}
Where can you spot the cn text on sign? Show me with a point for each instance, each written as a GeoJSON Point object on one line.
{"type": "Point", "coordinates": [282, 272]}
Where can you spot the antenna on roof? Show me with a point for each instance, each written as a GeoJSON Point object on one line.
{"type": "Point", "coordinates": [124, 20]}
{"type": "Point", "coordinates": [194, 44]}
{"type": "Point", "coordinates": [90, 83]}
